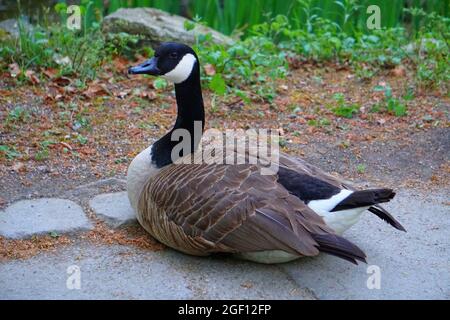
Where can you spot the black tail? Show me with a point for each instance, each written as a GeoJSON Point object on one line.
{"type": "Point", "coordinates": [371, 198]}
{"type": "Point", "coordinates": [339, 247]}
{"type": "Point", "coordinates": [365, 198]}
{"type": "Point", "coordinates": [386, 216]}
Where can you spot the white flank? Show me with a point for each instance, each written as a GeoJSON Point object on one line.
{"type": "Point", "coordinates": [139, 171]}
{"type": "Point", "coordinates": [325, 205]}
{"type": "Point", "coordinates": [268, 256]}
{"type": "Point", "coordinates": [341, 220]}
{"type": "Point", "coordinates": [183, 69]}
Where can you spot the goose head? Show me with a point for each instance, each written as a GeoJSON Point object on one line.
{"type": "Point", "coordinates": [176, 62]}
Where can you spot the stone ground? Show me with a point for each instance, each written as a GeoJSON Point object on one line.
{"type": "Point", "coordinates": [413, 265]}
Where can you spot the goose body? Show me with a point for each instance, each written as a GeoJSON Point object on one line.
{"type": "Point", "coordinates": [202, 208]}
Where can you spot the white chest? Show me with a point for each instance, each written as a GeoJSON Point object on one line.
{"type": "Point", "coordinates": [139, 171]}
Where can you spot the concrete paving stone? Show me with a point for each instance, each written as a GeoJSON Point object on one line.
{"type": "Point", "coordinates": [26, 218]}
{"type": "Point", "coordinates": [412, 265]}
{"type": "Point", "coordinates": [120, 272]}
{"type": "Point", "coordinates": [114, 209]}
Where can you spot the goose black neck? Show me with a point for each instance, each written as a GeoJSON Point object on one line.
{"type": "Point", "coordinates": [190, 110]}
{"type": "Point", "coordinates": [189, 103]}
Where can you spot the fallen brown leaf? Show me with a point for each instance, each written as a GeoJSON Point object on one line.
{"type": "Point", "coordinates": [123, 94]}
{"type": "Point", "coordinates": [134, 131]}
{"type": "Point", "coordinates": [150, 95]}
{"type": "Point", "coordinates": [381, 121]}
{"type": "Point", "coordinates": [14, 70]}
{"type": "Point", "coordinates": [65, 144]}
{"type": "Point", "coordinates": [399, 71]}
{"type": "Point", "coordinates": [70, 89]}
{"type": "Point", "coordinates": [209, 69]}
{"type": "Point", "coordinates": [87, 150]}
{"type": "Point", "coordinates": [121, 64]}
{"type": "Point", "coordinates": [62, 81]}
{"type": "Point", "coordinates": [18, 167]}
{"type": "Point", "coordinates": [50, 72]}
{"type": "Point", "coordinates": [120, 115]}
{"type": "Point", "coordinates": [31, 76]}
{"type": "Point", "coordinates": [106, 75]}
{"type": "Point", "coordinates": [95, 89]}
{"type": "Point", "coordinates": [5, 93]}
{"type": "Point", "coordinates": [247, 285]}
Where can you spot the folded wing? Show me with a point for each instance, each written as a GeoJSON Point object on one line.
{"type": "Point", "coordinates": [233, 208]}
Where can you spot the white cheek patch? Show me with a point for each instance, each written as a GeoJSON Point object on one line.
{"type": "Point", "coordinates": [183, 69]}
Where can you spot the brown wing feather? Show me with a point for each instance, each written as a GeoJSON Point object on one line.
{"type": "Point", "coordinates": [200, 209]}
{"type": "Point", "coordinates": [301, 166]}
{"type": "Point", "coordinates": [294, 163]}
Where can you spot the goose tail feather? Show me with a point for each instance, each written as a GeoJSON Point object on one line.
{"type": "Point", "coordinates": [365, 198]}
{"type": "Point", "coordinates": [381, 213]}
{"type": "Point", "coordinates": [371, 198]}
{"type": "Point", "coordinates": [340, 247]}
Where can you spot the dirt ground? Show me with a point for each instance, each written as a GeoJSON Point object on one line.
{"type": "Point", "coordinates": [118, 116]}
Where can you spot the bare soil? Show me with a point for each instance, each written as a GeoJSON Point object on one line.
{"type": "Point", "coordinates": [118, 116]}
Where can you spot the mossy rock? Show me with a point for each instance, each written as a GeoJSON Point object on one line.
{"type": "Point", "coordinates": [157, 26]}
{"type": "Point", "coordinates": [11, 27]}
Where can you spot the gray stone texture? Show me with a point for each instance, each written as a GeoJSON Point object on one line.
{"type": "Point", "coordinates": [26, 218]}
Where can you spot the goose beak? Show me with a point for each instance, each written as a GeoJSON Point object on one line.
{"type": "Point", "coordinates": [148, 67]}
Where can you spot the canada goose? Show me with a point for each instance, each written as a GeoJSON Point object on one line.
{"type": "Point", "coordinates": [204, 208]}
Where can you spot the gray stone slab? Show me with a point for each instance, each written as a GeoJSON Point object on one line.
{"type": "Point", "coordinates": [11, 26]}
{"type": "Point", "coordinates": [26, 218]}
{"type": "Point", "coordinates": [114, 209]}
{"type": "Point", "coordinates": [413, 265]}
{"type": "Point", "coordinates": [120, 272]}
{"type": "Point", "coordinates": [157, 26]}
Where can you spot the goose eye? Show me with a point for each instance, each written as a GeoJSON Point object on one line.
{"type": "Point", "coordinates": [173, 55]}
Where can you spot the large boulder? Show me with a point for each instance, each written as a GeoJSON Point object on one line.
{"type": "Point", "coordinates": [157, 26]}
{"type": "Point", "coordinates": [11, 27]}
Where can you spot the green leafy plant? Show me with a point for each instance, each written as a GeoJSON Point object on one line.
{"type": "Point", "coordinates": [396, 107]}
{"type": "Point", "coordinates": [81, 122]}
{"type": "Point", "coordinates": [160, 83]}
{"type": "Point", "coordinates": [121, 160]}
{"type": "Point", "coordinates": [231, 15]}
{"type": "Point", "coordinates": [341, 108]}
{"type": "Point", "coordinates": [319, 123]}
{"type": "Point", "coordinates": [53, 234]}
{"type": "Point", "coordinates": [324, 122]}
{"type": "Point", "coordinates": [82, 139]}
{"type": "Point", "coordinates": [251, 65]}
{"type": "Point", "coordinates": [361, 168]}
{"type": "Point", "coordinates": [42, 154]}
{"type": "Point", "coordinates": [430, 50]}
{"type": "Point", "coordinates": [269, 31]}
{"type": "Point", "coordinates": [72, 52]}
{"type": "Point", "coordinates": [390, 103]}
{"type": "Point", "coordinates": [121, 44]}
{"type": "Point", "coordinates": [9, 152]}
{"type": "Point", "coordinates": [18, 114]}
{"type": "Point", "coordinates": [218, 85]}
